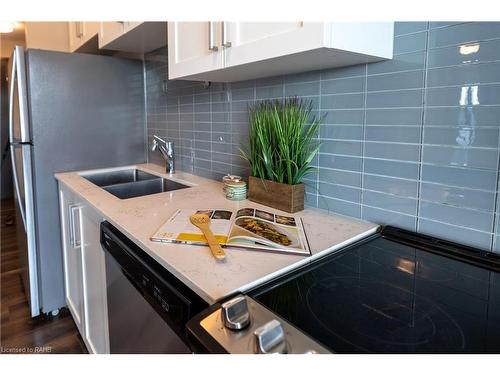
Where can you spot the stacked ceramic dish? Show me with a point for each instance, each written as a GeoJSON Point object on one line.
{"type": "Point", "coordinates": [235, 187]}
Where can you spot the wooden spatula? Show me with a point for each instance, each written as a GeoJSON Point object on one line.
{"type": "Point", "coordinates": [202, 221]}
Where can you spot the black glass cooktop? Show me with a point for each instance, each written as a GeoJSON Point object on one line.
{"type": "Point", "coordinates": [384, 296]}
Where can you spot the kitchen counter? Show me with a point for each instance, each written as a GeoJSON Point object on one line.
{"type": "Point", "coordinates": [138, 218]}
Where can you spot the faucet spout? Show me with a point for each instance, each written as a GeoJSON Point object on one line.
{"type": "Point", "coordinates": [166, 149]}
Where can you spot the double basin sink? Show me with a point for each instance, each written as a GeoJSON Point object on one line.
{"type": "Point", "coordinates": [131, 182]}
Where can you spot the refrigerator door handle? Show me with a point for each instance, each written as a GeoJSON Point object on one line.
{"type": "Point", "coordinates": [12, 80]}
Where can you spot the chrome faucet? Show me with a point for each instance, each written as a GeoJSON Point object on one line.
{"type": "Point", "coordinates": [167, 151]}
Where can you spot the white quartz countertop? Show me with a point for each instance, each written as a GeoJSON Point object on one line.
{"type": "Point", "coordinates": [138, 218]}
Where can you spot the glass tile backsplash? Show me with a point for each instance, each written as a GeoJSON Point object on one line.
{"type": "Point", "coordinates": [411, 142]}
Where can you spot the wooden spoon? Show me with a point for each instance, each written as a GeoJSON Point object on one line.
{"type": "Point", "coordinates": [202, 221]}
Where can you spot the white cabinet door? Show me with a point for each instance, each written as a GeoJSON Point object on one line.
{"type": "Point", "coordinates": [193, 48]}
{"type": "Point", "coordinates": [94, 283]}
{"type": "Point", "coordinates": [80, 33]}
{"type": "Point", "coordinates": [109, 31]}
{"type": "Point", "coordinates": [72, 255]}
{"type": "Point", "coordinates": [129, 25]}
{"type": "Point", "coordinates": [75, 35]}
{"type": "Point", "coordinates": [257, 41]}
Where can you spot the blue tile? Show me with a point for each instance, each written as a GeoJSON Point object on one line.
{"type": "Point", "coordinates": [243, 94]}
{"type": "Point", "coordinates": [221, 158]}
{"type": "Point", "coordinates": [348, 163]}
{"type": "Point", "coordinates": [203, 117]}
{"type": "Point", "coordinates": [350, 71]}
{"type": "Point", "coordinates": [383, 217]}
{"type": "Point", "coordinates": [341, 86]}
{"type": "Point", "coordinates": [465, 96]}
{"type": "Point", "coordinates": [400, 152]}
{"type": "Point", "coordinates": [336, 206]}
{"type": "Point", "coordinates": [352, 148]}
{"type": "Point", "coordinates": [221, 117]}
{"type": "Point", "coordinates": [221, 107]}
{"type": "Point", "coordinates": [464, 33]}
{"type": "Point", "coordinates": [410, 43]}
{"type": "Point", "coordinates": [202, 107]}
{"type": "Point", "coordinates": [390, 202]}
{"type": "Point", "coordinates": [343, 116]}
{"type": "Point", "coordinates": [392, 168]}
{"type": "Point", "coordinates": [345, 193]}
{"type": "Point", "coordinates": [394, 116]}
{"type": "Point", "coordinates": [224, 127]}
{"type": "Point", "coordinates": [350, 132]}
{"type": "Point", "coordinates": [242, 85]}
{"type": "Point", "coordinates": [396, 81]}
{"type": "Point", "coordinates": [269, 92]}
{"type": "Point", "coordinates": [202, 98]}
{"type": "Point", "coordinates": [390, 185]}
{"type": "Point", "coordinates": [270, 81]}
{"type": "Point", "coordinates": [399, 63]}
{"type": "Point", "coordinates": [391, 99]}
{"type": "Point", "coordinates": [472, 116]}
{"type": "Point", "coordinates": [240, 117]}
{"type": "Point", "coordinates": [461, 157]}
{"type": "Point", "coordinates": [464, 75]}
{"type": "Point", "coordinates": [344, 101]}
{"type": "Point", "coordinates": [340, 177]}
{"type": "Point", "coordinates": [303, 77]}
{"type": "Point", "coordinates": [221, 147]}
{"type": "Point", "coordinates": [464, 217]}
{"type": "Point", "coordinates": [465, 54]}
{"type": "Point", "coordinates": [458, 135]}
{"type": "Point", "coordinates": [220, 137]}
{"type": "Point", "coordinates": [401, 28]}
{"type": "Point", "coordinates": [460, 177]}
{"type": "Point", "coordinates": [302, 89]}
{"type": "Point", "coordinates": [404, 134]}
{"type": "Point", "coordinates": [456, 196]}
{"type": "Point", "coordinates": [434, 25]}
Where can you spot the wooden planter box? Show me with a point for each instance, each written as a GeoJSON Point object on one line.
{"type": "Point", "coordinates": [289, 198]}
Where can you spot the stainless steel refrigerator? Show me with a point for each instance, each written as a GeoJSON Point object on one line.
{"type": "Point", "coordinates": [68, 111]}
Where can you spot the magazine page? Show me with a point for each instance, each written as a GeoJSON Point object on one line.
{"type": "Point", "coordinates": [260, 229]}
{"type": "Point", "coordinates": [180, 230]}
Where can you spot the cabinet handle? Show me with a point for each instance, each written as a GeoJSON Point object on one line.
{"type": "Point", "coordinates": [225, 42]}
{"type": "Point", "coordinates": [74, 238]}
{"type": "Point", "coordinates": [78, 28]}
{"type": "Point", "coordinates": [211, 37]}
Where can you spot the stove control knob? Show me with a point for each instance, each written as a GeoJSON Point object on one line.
{"type": "Point", "coordinates": [235, 313]}
{"type": "Point", "coordinates": [270, 338]}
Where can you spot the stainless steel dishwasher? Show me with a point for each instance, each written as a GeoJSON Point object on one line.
{"type": "Point", "coordinates": [148, 307]}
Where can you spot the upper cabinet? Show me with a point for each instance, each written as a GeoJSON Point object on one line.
{"type": "Point", "coordinates": [81, 34]}
{"type": "Point", "coordinates": [136, 37]}
{"type": "Point", "coordinates": [235, 51]}
{"type": "Point", "coordinates": [195, 48]}
{"type": "Point", "coordinates": [51, 36]}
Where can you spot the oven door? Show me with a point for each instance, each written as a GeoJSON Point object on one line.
{"type": "Point", "coordinates": [134, 325]}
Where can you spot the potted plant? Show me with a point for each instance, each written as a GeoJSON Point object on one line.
{"type": "Point", "coordinates": [283, 141]}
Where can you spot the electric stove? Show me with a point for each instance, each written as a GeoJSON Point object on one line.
{"type": "Point", "coordinates": [395, 292]}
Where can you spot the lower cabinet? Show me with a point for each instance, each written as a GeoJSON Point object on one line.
{"type": "Point", "coordinates": [84, 270]}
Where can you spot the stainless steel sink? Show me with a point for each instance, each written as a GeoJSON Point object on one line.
{"type": "Point", "coordinates": [131, 183]}
{"type": "Point", "coordinates": [140, 188]}
{"type": "Point", "coordinates": [106, 178]}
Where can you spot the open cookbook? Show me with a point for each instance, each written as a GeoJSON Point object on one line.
{"type": "Point", "coordinates": [248, 228]}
